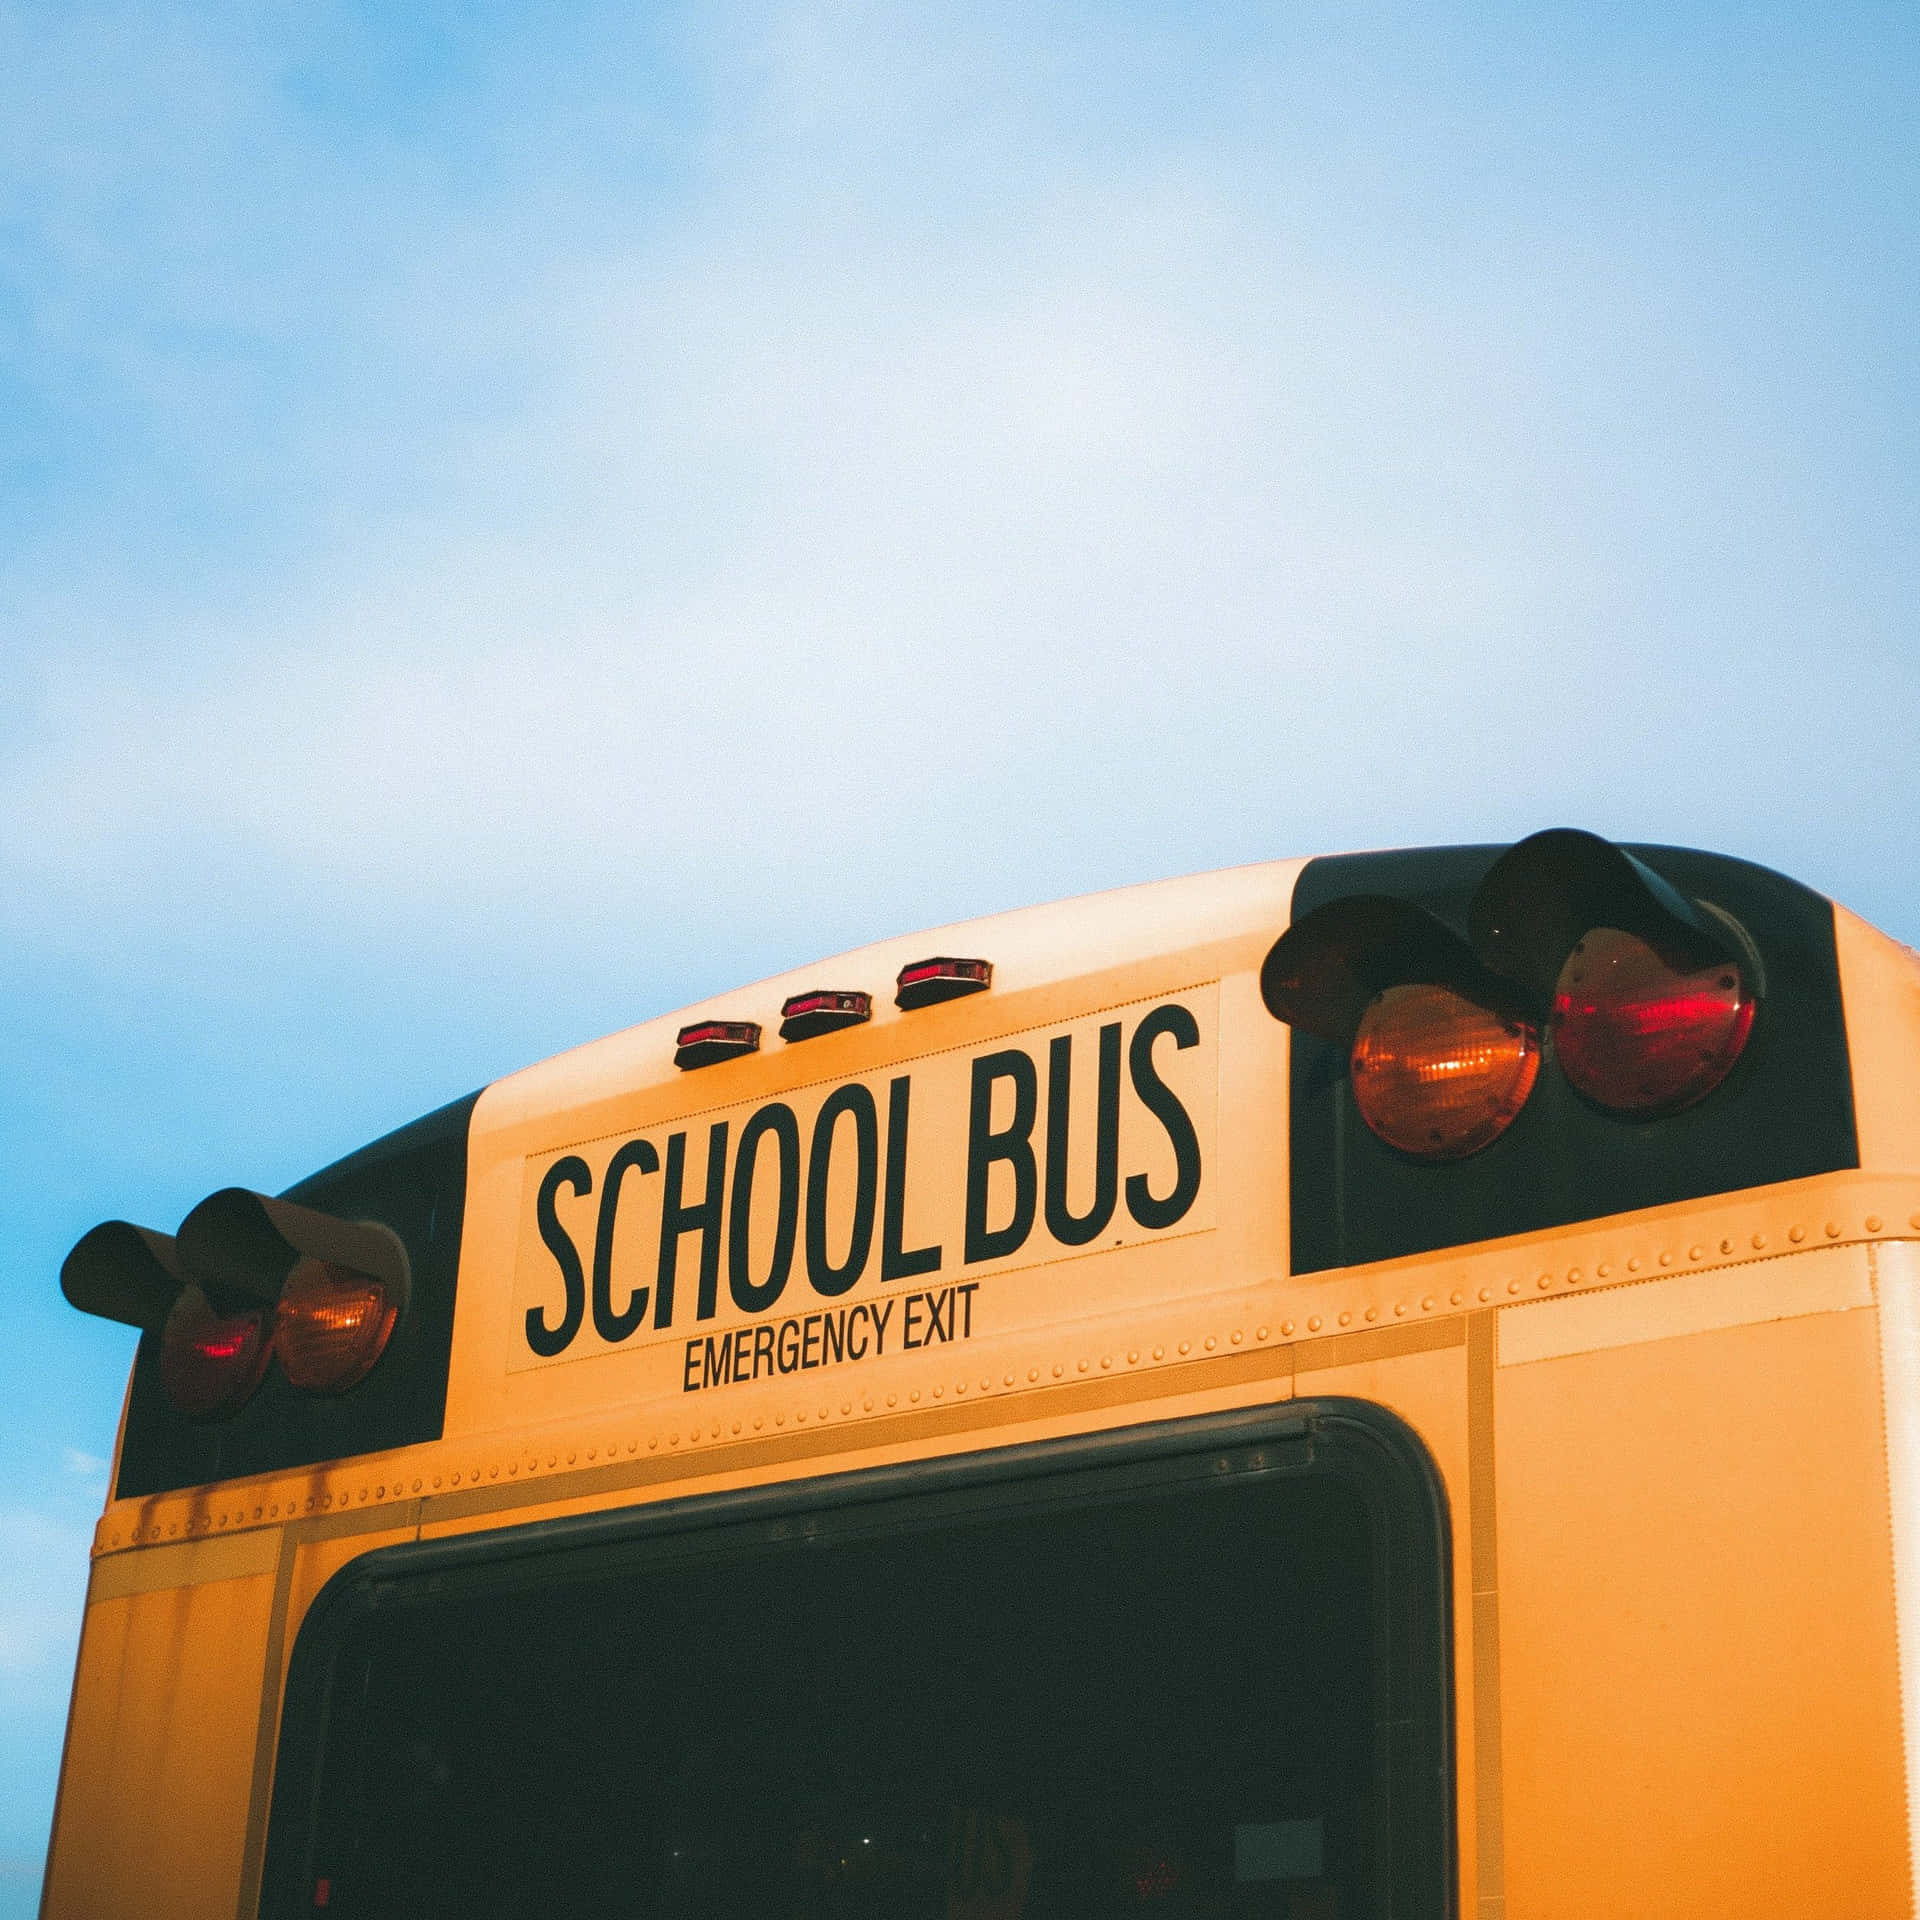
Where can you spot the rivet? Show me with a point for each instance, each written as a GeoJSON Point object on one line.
{"type": "Point", "coordinates": [1573, 1276]}
{"type": "Point", "coordinates": [1186, 1346]}
{"type": "Point", "coordinates": [1544, 1282]}
{"type": "Point", "coordinates": [1833, 1227]}
{"type": "Point", "coordinates": [1133, 1359]}
{"type": "Point", "coordinates": [1058, 1369]}
{"type": "Point", "coordinates": [1486, 1293]}
{"type": "Point", "coordinates": [1455, 1297]}
{"type": "Point", "coordinates": [416, 1484]}
{"type": "Point", "coordinates": [1159, 1353]}
{"type": "Point", "coordinates": [1633, 1265]}
{"type": "Point", "coordinates": [1873, 1223]}
{"type": "Point", "coordinates": [1796, 1234]}
{"type": "Point", "coordinates": [1211, 1343]}
{"type": "Point", "coordinates": [1602, 1270]}
{"type": "Point", "coordinates": [846, 1406]}
{"type": "Point", "coordinates": [553, 1459]}
{"type": "Point", "coordinates": [1346, 1319]}
{"type": "Point", "coordinates": [986, 1386]}
{"type": "Point", "coordinates": [1399, 1309]}
{"type": "Point", "coordinates": [513, 1467]}
{"type": "Point", "coordinates": [673, 1439]}
{"type": "Point", "coordinates": [1259, 1333]}
{"type": "Point", "coordinates": [1698, 1252]}
{"type": "Point", "coordinates": [1666, 1258]}
{"type": "Point", "coordinates": [915, 1394]}
{"type": "Point", "coordinates": [1373, 1313]}
{"type": "Point", "coordinates": [893, 1399]}
{"type": "Point", "coordinates": [1286, 1330]}
{"type": "Point", "coordinates": [633, 1444]}
{"type": "Point", "coordinates": [590, 1453]}
{"type": "Point", "coordinates": [1759, 1240]}
{"type": "Point", "coordinates": [1009, 1380]}
{"type": "Point", "coordinates": [938, 1391]}
{"type": "Point", "coordinates": [780, 1419]}
{"type": "Point", "coordinates": [653, 1439]}
{"type": "Point", "coordinates": [1083, 1366]}
{"type": "Point", "coordinates": [493, 1472]}
{"type": "Point", "coordinates": [1313, 1324]}
{"type": "Point", "coordinates": [363, 1491]}
{"type": "Point", "coordinates": [1726, 1246]}
{"type": "Point", "coordinates": [1106, 1360]}
{"type": "Point", "coordinates": [736, 1424]}
{"type": "Point", "coordinates": [1426, 1305]}
{"type": "Point", "coordinates": [1513, 1286]}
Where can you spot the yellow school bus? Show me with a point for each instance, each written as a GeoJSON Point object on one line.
{"type": "Point", "coordinates": [1383, 1385]}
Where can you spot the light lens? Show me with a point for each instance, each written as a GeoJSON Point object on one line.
{"type": "Point", "coordinates": [210, 1362]}
{"type": "Point", "coordinates": [333, 1325]}
{"type": "Point", "coordinates": [1437, 1075]}
{"type": "Point", "coordinates": [1639, 1037]}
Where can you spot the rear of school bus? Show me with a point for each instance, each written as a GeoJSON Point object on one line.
{"type": "Point", "coordinates": [1118, 1412]}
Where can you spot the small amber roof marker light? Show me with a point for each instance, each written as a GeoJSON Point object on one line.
{"type": "Point", "coordinates": [925, 983]}
{"type": "Point", "coordinates": [708, 1042]}
{"type": "Point", "coordinates": [805, 1016]}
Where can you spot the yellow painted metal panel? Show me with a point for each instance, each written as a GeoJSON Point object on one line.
{"type": "Point", "coordinates": [154, 1798]}
{"type": "Point", "coordinates": [1700, 1700]}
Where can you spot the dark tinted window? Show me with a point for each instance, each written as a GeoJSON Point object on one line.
{"type": "Point", "coordinates": [1175, 1698]}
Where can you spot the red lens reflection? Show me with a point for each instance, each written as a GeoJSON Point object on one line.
{"type": "Point", "coordinates": [1639, 1037]}
{"type": "Point", "coordinates": [210, 1362]}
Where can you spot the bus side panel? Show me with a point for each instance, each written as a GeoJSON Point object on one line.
{"type": "Point", "coordinates": [1697, 1621]}
{"type": "Point", "coordinates": [166, 1706]}
{"type": "Point", "coordinates": [1429, 1391]}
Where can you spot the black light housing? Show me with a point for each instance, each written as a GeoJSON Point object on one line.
{"type": "Point", "coordinates": [1325, 970]}
{"type": "Point", "coordinates": [925, 983]}
{"type": "Point", "coordinates": [125, 1273]}
{"type": "Point", "coordinates": [805, 1016]}
{"type": "Point", "coordinates": [1547, 892]}
{"type": "Point", "coordinates": [242, 1243]}
{"type": "Point", "coordinates": [708, 1042]}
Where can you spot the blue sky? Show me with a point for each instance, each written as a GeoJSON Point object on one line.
{"type": "Point", "coordinates": [514, 519]}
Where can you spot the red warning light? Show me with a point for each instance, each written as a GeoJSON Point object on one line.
{"type": "Point", "coordinates": [707, 1042]}
{"type": "Point", "coordinates": [807, 1015]}
{"type": "Point", "coordinates": [927, 982]}
{"type": "Point", "coordinates": [1640, 1037]}
{"type": "Point", "coordinates": [210, 1360]}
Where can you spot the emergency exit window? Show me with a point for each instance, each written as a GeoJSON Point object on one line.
{"type": "Point", "coordinates": [1177, 1696]}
